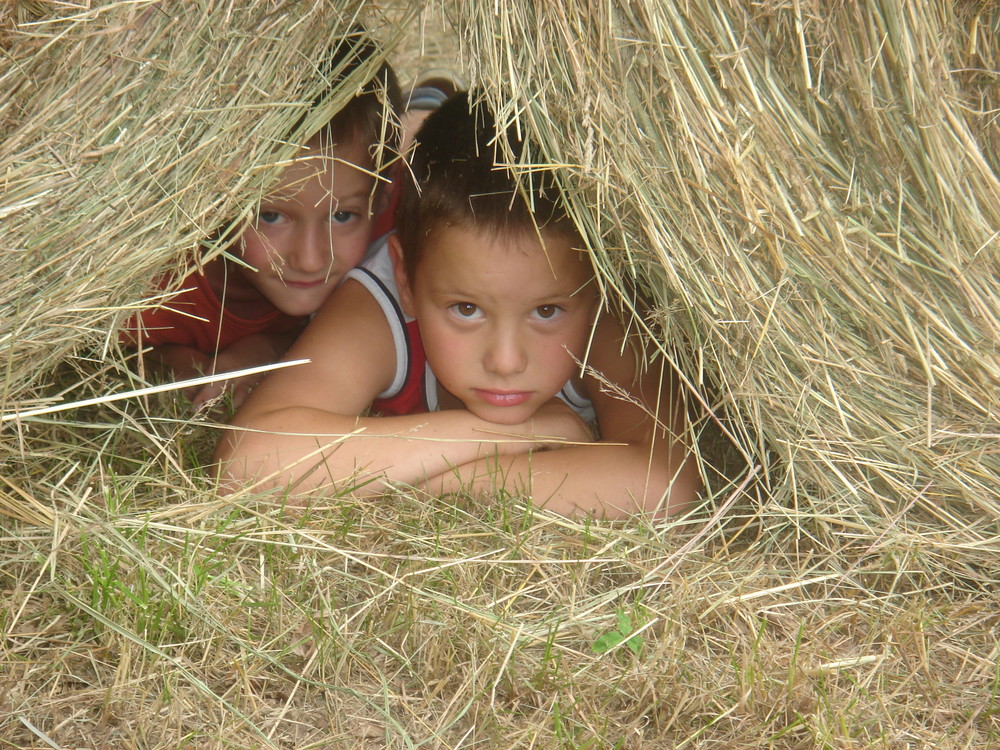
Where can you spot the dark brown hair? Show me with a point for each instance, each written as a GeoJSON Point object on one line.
{"type": "Point", "coordinates": [455, 179]}
{"type": "Point", "coordinates": [363, 116]}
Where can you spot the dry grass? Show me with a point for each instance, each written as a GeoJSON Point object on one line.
{"type": "Point", "coordinates": [808, 193]}
{"type": "Point", "coordinates": [150, 613]}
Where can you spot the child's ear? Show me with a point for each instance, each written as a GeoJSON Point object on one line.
{"type": "Point", "coordinates": [399, 274]}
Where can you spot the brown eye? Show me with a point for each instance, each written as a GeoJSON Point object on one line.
{"type": "Point", "coordinates": [546, 312]}
{"type": "Point", "coordinates": [466, 310]}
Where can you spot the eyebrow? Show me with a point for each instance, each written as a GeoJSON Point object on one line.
{"type": "Point", "coordinates": [283, 197]}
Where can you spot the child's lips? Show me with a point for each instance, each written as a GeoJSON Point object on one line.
{"type": "Point", "coordinates": [503, 398]}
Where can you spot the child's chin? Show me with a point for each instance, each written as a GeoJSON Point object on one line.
{"type": "Point", "coordinates": [503, 415]}
{"type": "Point", "coordinates": [301, 307]}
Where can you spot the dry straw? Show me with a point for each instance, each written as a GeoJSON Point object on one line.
{"type": "Point", "coordinates": [805, 192]}
{"type": "Point", "coordinates": [809, 192]}
{"type": "Point", "coordinates": [130, 131]}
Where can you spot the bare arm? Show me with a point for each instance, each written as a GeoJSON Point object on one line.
{"type": "Point", "coordinates": [300, 431]}
{"type": "Point", "coordinates": [643, 462]}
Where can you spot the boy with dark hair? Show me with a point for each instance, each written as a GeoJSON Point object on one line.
{"type": "Point", "coordinates": [470, 324]}
{"type": "Point", "coordinates": [313, 227]}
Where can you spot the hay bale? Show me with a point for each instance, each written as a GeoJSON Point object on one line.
{"type": "Point", "coordinates": [128, 132]}
{"type": "Point", "coordinates": [809, 190]}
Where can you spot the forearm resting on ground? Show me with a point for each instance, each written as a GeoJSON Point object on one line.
{"type": "Point", "coordinates": [608, 480]}
{"type": "Point", "coordinates": [308, 452]}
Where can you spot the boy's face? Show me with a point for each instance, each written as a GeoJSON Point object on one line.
{"type": "Point", "coordinates": [312, 228]}
{"type": "Point", "coordinates": [501, 318]}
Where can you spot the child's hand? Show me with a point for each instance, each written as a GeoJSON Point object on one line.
{"type": "Point", "coordinates": [251, 351]}
{"type": "Point", "coordinates": [237, 357]}
{"type": "Point", "coordinates": [178, 362]}
{"type": "Point", "coordinates": [239, 387]}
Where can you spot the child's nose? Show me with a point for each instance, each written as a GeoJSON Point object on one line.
{"type": "Point", "coordinates": [314, 249]}
{"type": "Point", "coordinates": [506, 354]}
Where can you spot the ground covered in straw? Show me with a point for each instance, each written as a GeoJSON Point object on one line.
{"type": "Point", "coordinates": [146, 612]}
{"type": "Point", "coordinates": [807, 195]}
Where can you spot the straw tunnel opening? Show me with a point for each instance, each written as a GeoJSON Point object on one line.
{"type": "Point", "coordinates": [804, 194]}
{"type": "Point", "coordinates": [729, 195]}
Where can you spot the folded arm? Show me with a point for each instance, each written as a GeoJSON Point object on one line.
{"type": "Point", "coordinates": [309, 451]}
{"type": "Point", "coordinates": [642, 463]}
{"type": "Point", "coordinates": [300, 431]}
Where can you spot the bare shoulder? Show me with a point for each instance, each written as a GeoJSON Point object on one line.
{"type": "Point", "coordinates": [351, 359]}
{"type": "Point", "coordinates": [612, 352]}
{"type": "Point", "coordinates": [628, 388]}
